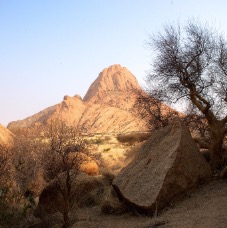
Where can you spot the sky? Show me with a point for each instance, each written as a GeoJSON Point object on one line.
{"type": "Point", "coordinates": [52, 48]}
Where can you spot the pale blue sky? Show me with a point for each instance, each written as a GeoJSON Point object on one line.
{"type": "Point", "coordinates": [52, 48]}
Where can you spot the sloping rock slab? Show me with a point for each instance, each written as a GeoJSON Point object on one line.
{"type": "Point", "coordinates": [168, 164]}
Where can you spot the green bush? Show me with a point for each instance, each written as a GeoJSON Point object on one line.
{"type": "Point", "coordinates": [97, 141]}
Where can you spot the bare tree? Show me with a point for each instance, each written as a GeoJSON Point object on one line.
{"type": "Point", "coordinates": [26, 150]}
{"type": "Point", "coordinates": [150, 108]}
{"type": "Point", "coordinates": [66, 151]}
{"type": "Point", "coordinates": [197, 123]}
{"type": "Point", "coordinates": [5, 166]}
{"type": "Point", "coordinates": [190, 65]}
{"type": "Point", "coordinates": [6, 176]}
{"type": "Point", "coordinates": [11, 196]}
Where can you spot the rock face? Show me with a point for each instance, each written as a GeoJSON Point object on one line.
{"type": "Point", "coordinates": [111, 80]}
{"type": "Point", "coordinates": [6, 136]}
{"type": "Point", "coordinates": [106, 107]}
{"type": "Point", "coordinates": [168, 164]}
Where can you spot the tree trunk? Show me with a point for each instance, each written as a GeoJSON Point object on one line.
{"type": "Point", "coordinates": [217, 137]}
{"type": "Point", "coordinates": [66, 222]}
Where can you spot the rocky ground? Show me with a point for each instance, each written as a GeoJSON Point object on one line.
{"type": "Point", "coordinates": [205, 207]}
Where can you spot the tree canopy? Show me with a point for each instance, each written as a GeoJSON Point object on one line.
{"type": "Point", "coordinates": [190, 64]}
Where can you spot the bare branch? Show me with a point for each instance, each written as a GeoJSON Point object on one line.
{"type": "Point", "coordinates": [191, 64]}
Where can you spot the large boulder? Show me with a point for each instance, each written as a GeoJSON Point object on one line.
{"type": "Point", "coordinates": [86, 190]}
{"type": "Point", "coordinates": [166, 166]}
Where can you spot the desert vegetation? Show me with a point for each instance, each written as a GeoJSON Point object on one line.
{"type": "Point", "coordinates": [61, 162]}
{"type": "Point", "coordinates": [48, 163]}
{"type": "Point", "coordinates": [133, 137]}
{"type": "Point", "coordinates": [189, 67]}
{"type": "Point", "coordinates": [58, 172]}
{"type": "Point", "coordinates": [16, 172]}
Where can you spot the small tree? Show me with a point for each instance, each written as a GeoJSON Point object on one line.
{"type": "Point", "coordinates": [11, 213]}
{"type": "Point", "coordinates": [5, 166]}
{"type": "Point", "coordinates": [6, 213]}
{"type": "Point", "coordinates": [28, 145]}
{"type": "Point", "coordinates": [66, 151]}
{"type": "Point", "coordinates": [191, 65]}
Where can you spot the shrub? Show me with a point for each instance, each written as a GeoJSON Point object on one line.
{"type": "Point", "coordinates": [11, 216]}
{"type": "Point", "coordinates": [134, 137]}
{"type": "Point", "coordinates": [98, 141]}
{"type": "Point", "coordinates": [16, 171]}
{"type": "Point", "coordinates": [106, 149]}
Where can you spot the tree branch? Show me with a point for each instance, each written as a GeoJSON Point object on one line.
{"type": "Point", "coordinates": [224, 120]}
{"type": "Point", "coordinates": [225, 130]}
{"type": "Point", "coordinates": [202, 142]}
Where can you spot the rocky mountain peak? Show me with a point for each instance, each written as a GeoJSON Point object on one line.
{"type": "Point", "coordinates": [113, 78]}
{"type": "Point", "coordinates": [107, 106]}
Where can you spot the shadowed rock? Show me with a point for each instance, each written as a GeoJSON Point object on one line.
{"type": "Point", "coordinates": [85, 191]}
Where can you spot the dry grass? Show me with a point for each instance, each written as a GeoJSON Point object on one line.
{"type": "Point", "coordinates": [132, 152]}
{"type": "Point", "coordinates": [113, 154]}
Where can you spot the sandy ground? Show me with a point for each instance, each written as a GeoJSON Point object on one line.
{"type": "Point", "coordinates": [205, 207]}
